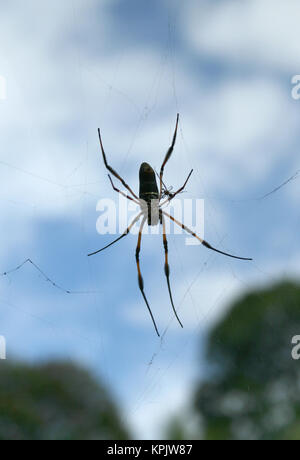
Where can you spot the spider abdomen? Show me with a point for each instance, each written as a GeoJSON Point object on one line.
{"type": "Point", "coordinates": [148, 185]}
{"type": "Point", "coordinates": [149, 193]}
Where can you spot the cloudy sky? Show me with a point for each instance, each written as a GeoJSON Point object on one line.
{"type": "Point", "coordinates": [128, 67]}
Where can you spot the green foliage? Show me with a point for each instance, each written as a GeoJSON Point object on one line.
{"type": "Point", "coordinates": [253, 385]}
{"type": "Point", "coordinates": [55, 401]}
{"type": "Point", "coordinates": [182, 427]}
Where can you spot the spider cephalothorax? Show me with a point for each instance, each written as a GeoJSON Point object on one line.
{"type": "Point", "coordinates": [151, 200]}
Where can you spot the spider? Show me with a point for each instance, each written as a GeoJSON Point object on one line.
{"type": "Point", "coordinates": [150, 200]}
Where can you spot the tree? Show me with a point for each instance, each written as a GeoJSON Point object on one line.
{"type": "Point", "coordinates": [253, 385]}
{"type": "Point", "coordinates": [55, 401]}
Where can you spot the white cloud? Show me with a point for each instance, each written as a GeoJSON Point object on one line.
{"type": "Point", "coordinates": [263, 32]}
{"type": "Point", "coordinates": [55, 97]}
{"type": "Point", "coordinates": [50, 95]}
{"type": "Point", "coordinates": [164, 396]}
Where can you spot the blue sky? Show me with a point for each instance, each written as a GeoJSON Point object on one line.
{"type": "Point", "coordinates": [129, 67]}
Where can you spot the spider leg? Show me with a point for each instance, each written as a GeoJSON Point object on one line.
{"type": "Point", "coordinates": [164, 185]}
{"type": "Point", "coordinates": [122, 236]}
{"type": "Point", "coordinates": [178, 191]}
{"type": "Point", "coordinates": [168, 154]}
{"type": "Point", "coordinates": [111, 170]}
{"type": "Point", "coordinates": [122, 193]}
{"type": "Point", "coordinates": [167, 268]}
{"type": "Point", "coordinates": [140, 279]}
{"type": "Point", "coordinates": [207, 245]}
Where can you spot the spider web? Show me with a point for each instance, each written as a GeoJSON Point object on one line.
{"type": "Point", "coordinates": [57, 292]}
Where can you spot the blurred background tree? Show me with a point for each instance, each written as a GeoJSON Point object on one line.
{"type": "Point", "coordinates": [55, 401]}
{"type": "Point", "coordinates": [252, 389]}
